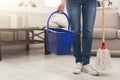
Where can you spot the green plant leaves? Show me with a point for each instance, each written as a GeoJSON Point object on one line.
{"type": "Point", "coordinates": [32, 4]}
{"type": "Point", "coordinates": [21, 4]}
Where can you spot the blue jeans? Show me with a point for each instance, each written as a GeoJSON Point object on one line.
{"type": "Point", "coordinates": [82, 49]}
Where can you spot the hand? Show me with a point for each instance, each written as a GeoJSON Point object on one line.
{"type": "Point", "coordinates": [61, 7]}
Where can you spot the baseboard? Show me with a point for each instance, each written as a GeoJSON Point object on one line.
{"type": "Point", "coordinates": [112, 52]}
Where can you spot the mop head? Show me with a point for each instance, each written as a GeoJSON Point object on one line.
{"type": "Point", "coordinates": [103, 59]}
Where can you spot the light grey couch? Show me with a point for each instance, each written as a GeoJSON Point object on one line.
{"type": "Point", "coordinates": [112, 31]}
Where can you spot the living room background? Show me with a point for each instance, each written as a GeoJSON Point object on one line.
{"type": "Point", "coordinates": [12, 15]}
{"type": "Point", "coordinates": [43, 6]}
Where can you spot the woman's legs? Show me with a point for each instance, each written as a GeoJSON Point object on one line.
{"type": "Point", "coordinates": [89, 13]}
{"type": "Point", "coordinates": [74, 12]}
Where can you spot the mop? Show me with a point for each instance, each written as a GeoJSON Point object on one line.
{"type": "Point", "coordinates": [103, 57]}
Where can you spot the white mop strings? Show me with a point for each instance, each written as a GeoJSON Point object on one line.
{"type": "Point", "coordinates": [103, 59]}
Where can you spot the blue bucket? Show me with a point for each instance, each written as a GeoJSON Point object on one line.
{"type": "Point", "coordinates": [59, 40]}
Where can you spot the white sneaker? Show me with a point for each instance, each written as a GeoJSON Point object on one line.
{"type": "Point", "coordinates": [78, 68]}
{"type": "Point", "coordinates": [90, 70]}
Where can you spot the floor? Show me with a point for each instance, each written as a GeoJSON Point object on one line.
{"type": "Point", "coordinates": [16, 65]}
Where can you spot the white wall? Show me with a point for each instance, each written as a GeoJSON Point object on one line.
{"type": "Point", "coordinates": [119, 4]}
{"type": "Point", "coordinates": [12, 5]}
{"type": "Point", "coordinates": [41, 7]}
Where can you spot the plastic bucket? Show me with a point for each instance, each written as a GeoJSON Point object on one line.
{"type": "Point", "coordinates": [59, 41]}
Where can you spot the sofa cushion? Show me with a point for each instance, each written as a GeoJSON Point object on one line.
{"type": "Point", "coordinates": [61, 20]}
{"type": "Point", "coordinates": [111, 18]}
{"type": "Point", "coordinates": [53, 25]}
{"type": "Point", "coordinates": [109, 33]}
{"type": "Point", "coordinates": [118, 34]}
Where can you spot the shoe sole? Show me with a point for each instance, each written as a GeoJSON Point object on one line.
{"type": "Point", "coordinates": [76, 72]}
{"type": "Point", "coordinates": [90, 73]}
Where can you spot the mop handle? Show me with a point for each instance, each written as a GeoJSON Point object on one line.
{"type": "Point", "coordinates": [69, 28]}
{"type": "Point", "coordinates": [103, 21]}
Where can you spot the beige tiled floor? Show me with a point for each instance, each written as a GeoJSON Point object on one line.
{"type": "Point", "coordinates": [16, 65]}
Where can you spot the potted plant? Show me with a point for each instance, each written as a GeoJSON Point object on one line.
{"type": "Point", "coordinates": [26, 4]}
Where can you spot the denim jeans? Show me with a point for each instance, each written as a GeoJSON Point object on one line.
{"type": "Point", "coordinates": [86, 8]}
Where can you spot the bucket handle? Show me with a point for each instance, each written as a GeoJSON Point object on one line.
{"type": "Point", "coordinates": [63, 14]}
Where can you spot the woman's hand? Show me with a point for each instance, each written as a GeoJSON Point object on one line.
{"type": "Point", "coordinates": [61, 7]}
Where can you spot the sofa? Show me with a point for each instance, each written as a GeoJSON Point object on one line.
{"type": "Point", "coordinates": [112, 29]}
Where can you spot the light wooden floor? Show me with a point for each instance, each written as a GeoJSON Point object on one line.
{"type": "Point", "coordinates": [16, 65]}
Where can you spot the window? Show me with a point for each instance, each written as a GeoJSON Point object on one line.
{"type": "Point", "coordinates": [52, 3]}
{"type": "Point", "coordinates": [8, 4]}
